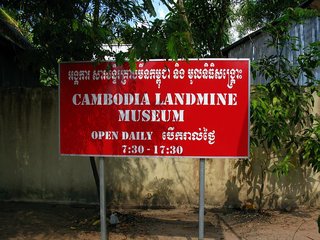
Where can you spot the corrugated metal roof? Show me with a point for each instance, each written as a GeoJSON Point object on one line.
{"type": "Point", "coordinates": [314, 4]}
{"type": "Point", "coordinates": [9, 30]}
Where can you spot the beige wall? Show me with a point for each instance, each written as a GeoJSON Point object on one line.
{"type": "Point", "coordinates": [32, 170]}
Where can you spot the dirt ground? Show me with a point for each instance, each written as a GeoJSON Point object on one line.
{"type": "Point", "coordinates": [48, 221]}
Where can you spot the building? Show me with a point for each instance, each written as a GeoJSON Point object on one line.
{"type": "Point", "coordinates": [254, 45]}
{"type": "Point", "coordinates": [15, 71]}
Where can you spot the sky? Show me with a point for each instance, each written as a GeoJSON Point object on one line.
{"type": "Point", "coordinates": [161, 9]}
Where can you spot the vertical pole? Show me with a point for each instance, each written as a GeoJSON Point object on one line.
{"type": "Point", "coordinates": [103, 223]}
{"type": "Point", "coordinates": [201, 198]}
{"type": "Point", "coordinates": [95, 174]}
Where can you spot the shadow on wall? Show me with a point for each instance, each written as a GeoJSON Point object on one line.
{"type": "Point", "coordinates": [124, 180]}
{"type": "Point", "coordinates": [232, 194]}
{"type": "Point", "coordinates": [160, 193]}
{"type": "Point", "coordinates": [265, 189]}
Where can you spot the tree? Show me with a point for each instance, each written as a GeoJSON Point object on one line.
{"type": "Point", "coordinates": [77, 29]}
{"type": "Point", "coordinates": [193, 28]}
{"type": "Point", "coordinates": [284, 127]}
{"type": "Point", "coordinates": [254, 14]}
{"type": "Point", "coordinates": [74, 30]}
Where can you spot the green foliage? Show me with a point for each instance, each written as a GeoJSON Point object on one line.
{"type": "Point", "coordinates": [210, 22]}
{"type": "Point", "coordinates": [48, 77]}
{"type": "Point", "coordinates": [281, 110]}
{"type": "Point", "coordinates": [163, 39]}
{"type": "Point", "coordinates": [284, 126]}
{"type": "Point", "coordinates": [310, 152]}
{"type": "Point", "coordinates": [254, 14]}
{"type": "Point", "coordinates": [74, 30]}
{"type": "Point", "coordinates": [193, 28]}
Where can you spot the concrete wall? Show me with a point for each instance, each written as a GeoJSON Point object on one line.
{"type": "Point", "coordinates": [30, 166]}
{"type": "Point", "coordinates": [32, 170]}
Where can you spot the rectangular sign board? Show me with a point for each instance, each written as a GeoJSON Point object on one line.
{"type": "Point", "coordinates": [195, 108]}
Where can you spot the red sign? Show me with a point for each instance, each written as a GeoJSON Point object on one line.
{"type": "Point", "coordinates": [195, 108]}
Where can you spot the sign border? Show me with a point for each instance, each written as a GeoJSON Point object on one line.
{"type": "Point", "coordinates": [158, 156]}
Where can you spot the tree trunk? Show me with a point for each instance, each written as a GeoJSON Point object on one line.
{"type": "Point", "coordinates": [224, 15]}
{"type": "Point", "coordinates": [182, 12]}
{"type": "Point", "coordinates": [96, 15]}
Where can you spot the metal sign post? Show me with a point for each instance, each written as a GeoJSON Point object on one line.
{"type": "Point", "coordinates": [201, 197]}
{"type": "Point", "coordinates": [102, 200]}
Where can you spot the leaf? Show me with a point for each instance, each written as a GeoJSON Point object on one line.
{"type": "Point", "coordinates": [275, 100]}
{"type": "Point", "coordinates": [149, 7]}
{"type": "Point", "coordinates": [96, 222]}
{"type": "Point", "coordinates": [75, 25]}
{"type": "Point", "coordinates": [172, 48]}
{"type": "Point", "coordinates": [132, 60]}
{"type": "Point", "coordinates": [156, 46]}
